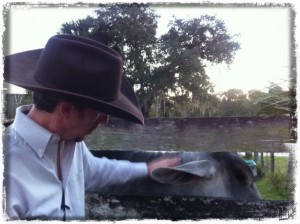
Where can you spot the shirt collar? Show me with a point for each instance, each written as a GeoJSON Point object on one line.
{"type": "Point", "coordinates": [35, 135]}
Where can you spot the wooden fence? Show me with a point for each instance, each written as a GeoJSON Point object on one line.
{"type": "Point", "coordinates": [254, 134]}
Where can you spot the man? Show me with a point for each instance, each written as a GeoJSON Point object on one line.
{"type": "Point", "coordinates": [77, 84]}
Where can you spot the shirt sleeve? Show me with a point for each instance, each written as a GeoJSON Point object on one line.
{"type": "Point", "coordinates": [100, 172]}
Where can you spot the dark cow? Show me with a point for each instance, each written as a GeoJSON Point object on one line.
{"type": "Point", "coordinates": [204, 174]}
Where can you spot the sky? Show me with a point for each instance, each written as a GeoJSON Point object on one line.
{"type": "Point", "coordinates": [264, 36]}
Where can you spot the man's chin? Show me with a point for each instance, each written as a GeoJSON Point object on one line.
{"type": "Point", "coordinates": [78, 139]}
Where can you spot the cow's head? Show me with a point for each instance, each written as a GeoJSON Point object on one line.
{"type": "Point", "coordinates": [214, 174]}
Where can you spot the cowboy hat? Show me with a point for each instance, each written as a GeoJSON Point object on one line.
{"type": "Point", "coordinates": [76, 69]}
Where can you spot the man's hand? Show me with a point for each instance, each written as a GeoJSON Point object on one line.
{"type": "Point", "coordinates": [163, 162]}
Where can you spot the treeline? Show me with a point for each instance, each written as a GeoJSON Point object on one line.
{"type": "Point", "coordinates": [231, 103]}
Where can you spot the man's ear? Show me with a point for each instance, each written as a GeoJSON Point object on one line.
{"type": "Point", "coordinates": [65, 110]}
{"type": "Point", "coordinates": [104, 118]}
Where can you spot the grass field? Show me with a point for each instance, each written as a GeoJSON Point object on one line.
{"type": "Point", "coordinates": [275, 187]}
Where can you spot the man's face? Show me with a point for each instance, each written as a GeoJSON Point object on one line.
{"type": "Point", "coordinates": [84, 122]}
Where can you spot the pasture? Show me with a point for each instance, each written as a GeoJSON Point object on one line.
{"type": "Point", "coordinates": [275, 186]}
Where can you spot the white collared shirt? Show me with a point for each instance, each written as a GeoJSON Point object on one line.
{"type": "Point", "coordinates": [33, 189]}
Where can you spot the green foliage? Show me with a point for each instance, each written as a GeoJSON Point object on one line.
{"type": "Point", "coordinates": [12, 101]}
{"type": "Point", "coordinates": [184, 50]}
{"type": "Point", "coordinates": [234, 102]}
{"type": "Point", "coordinates": [81, 27]}
{"type": "Point", "coordinates": [207, 36]}
{"type": "Point", "coordinates": [260, 171]}
{"type": "Point", "coordinates": [271, 192]}
{"type": "Point", "coordinates": [275, 102]}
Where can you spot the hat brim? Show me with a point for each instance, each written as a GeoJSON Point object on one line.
{"type": "Point", "coordinates": [19, 70]}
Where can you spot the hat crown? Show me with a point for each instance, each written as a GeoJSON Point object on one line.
{"type": "Point", "coordinates": [80, 65]}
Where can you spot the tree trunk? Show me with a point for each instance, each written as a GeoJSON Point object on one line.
{"type": "Point", "coordinates": [256, 157]}
{"type": "Point", "coordinates": [262, 163]}
{"type": "Point", "coordinates": [290, 182]}
{"type": "Point", "coordinates": [248, 155]}
{"type": "Point", "coordinates": [272, 156]}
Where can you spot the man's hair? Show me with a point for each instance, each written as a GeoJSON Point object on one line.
{"type": "Point", "coordinates": [48, 103]}
{"type": "Point", "coordinates": [45, 102]}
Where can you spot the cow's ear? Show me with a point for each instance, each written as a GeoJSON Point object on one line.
{"type": "Point", "coordinates": [186, 173]}
{"type": "Point", "coordinates": [242, 172]}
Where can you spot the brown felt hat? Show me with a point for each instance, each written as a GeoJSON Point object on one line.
{"type": "Point", "coordinates": [78, 70]}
